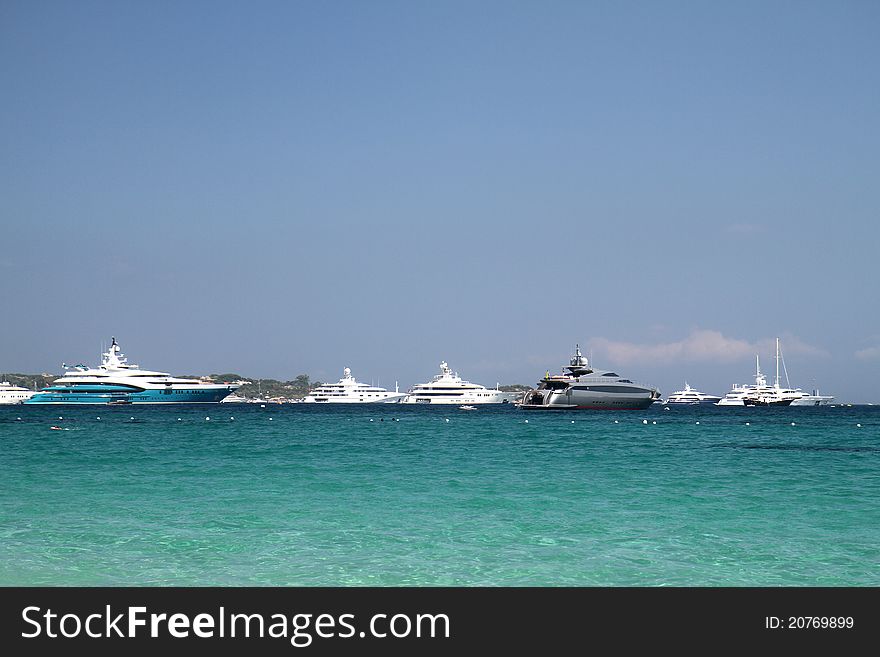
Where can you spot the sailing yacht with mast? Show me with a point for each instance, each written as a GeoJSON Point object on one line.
{"type": "Point", "coordinates": [775, 395]}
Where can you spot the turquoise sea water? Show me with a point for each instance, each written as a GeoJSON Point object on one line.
{"type": "Point", "coordinates": [391, 495]}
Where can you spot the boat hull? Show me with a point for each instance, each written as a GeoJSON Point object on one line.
{"type": "Point", "coordinates": [586, 401]}
{"type": "Point", "coordinates": [811, 400]}
{"type": "Point", "coordinates": [390, 399]}
{"type": "Point", "coordinates": [458, 401]}
{"type": "Point", "coordinates": [14, 399]}
{"type": "Point", "coordinates": [758, 402]}
{"type": "Point", "coordinates": [210, 395]}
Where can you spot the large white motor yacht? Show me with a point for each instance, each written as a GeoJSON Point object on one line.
{"type": "Point", "coordinates": [738, 392]}
{"type": "Point", "coordinates": [10, 394]}
{"type": "Point", "coordinates": [691, 396]}
{"type": "Point", "coordinates": [349, 391]}
{"type": "Point", "coordinates": [449, 388]}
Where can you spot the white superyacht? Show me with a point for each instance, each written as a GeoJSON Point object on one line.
{"type": "Point", "coordinates": [449, 388]}
{"type": "Point", "coordinates": [738, 392]}
{"type": "Point", "coordinates": [349, 391]}
{"type": "Point", "coordinates": [12, 394]}
{"type": "Point", "coordinates": [690, 396]}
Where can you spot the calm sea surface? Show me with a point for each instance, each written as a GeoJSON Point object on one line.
{"type": "Point", "coordinates": [390, 495]}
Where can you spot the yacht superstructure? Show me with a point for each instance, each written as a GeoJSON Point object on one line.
{"type": "Point", "coordinates": [115, 381]}
{"type": "Point", "coordinates": [582, 387]}
{"type": "Point", "coordinates": [449, 388]}
{"type": "Point", "coordinates": [349, 391]}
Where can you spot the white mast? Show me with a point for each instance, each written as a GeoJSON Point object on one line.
{"type": "Point", "coordinates": [776, 382]}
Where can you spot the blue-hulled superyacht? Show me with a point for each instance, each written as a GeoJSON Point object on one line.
{"type": "Point", "coordinates": [117, 382]}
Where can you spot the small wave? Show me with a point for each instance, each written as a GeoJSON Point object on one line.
{"type": "Point", "coordinates": [803, 448]}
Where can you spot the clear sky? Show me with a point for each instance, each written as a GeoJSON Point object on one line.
{"type": "Point", "coordinates": [276, 188]}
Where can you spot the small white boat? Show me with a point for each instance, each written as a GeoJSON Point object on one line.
{"type": "Point", "coordinates": [467, 407]}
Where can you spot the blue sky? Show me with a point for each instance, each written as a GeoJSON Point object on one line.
{"type": "Point", "coordinates": [275, 188]}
